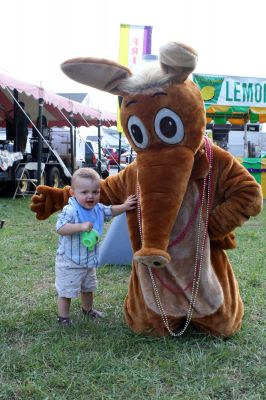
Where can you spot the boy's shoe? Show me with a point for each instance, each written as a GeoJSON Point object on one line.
{"type": "Point", "coordinates": [64, 321]}
{"type": "Point", "coordinates": [94, 314]}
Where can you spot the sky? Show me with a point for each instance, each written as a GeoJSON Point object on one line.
{"type": "Point", "coordinates": [37, 36]}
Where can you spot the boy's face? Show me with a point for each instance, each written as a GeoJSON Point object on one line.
{"type": "Point", "coordinates": [86, 191]}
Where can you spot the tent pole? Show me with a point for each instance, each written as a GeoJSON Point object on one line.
{"type": "Point", "coordinates": [99, 148]}
{"type": "Point", "coordinates": [72, 161]}
{"type": "Point", "coordinates": [39, 156]}
{"type": "Point", "coordinates": [119, 152]}
{"type": "Point", "coordinates": [245, 138]}
{"type": "Point", "coordinates": [75, 144]}
{"type": "Point", "coordinates": [15, 108]}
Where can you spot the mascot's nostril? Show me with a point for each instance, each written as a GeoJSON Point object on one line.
{"type": "Point", "coordinates": [157, 263]}
{"type": "Point", "coordinates": [145, 265]}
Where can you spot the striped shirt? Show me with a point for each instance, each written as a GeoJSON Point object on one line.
{"type": "Point", "coordinates": [70, 246]}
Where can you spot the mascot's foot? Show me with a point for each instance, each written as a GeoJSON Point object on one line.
{"type": "Point", "coordinates": [152, 258]}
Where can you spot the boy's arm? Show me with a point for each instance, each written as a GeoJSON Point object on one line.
{"type": "Point", "coordinates": [128, 205]}
{"type": "Point", "coordinates": [71, 229]}
{"type": "Point", "coordinates": [116, 188]}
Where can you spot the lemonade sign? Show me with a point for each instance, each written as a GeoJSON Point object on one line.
{"type": "Point", "coordinates": [210, 87]}
{"type": "Point", "coordinates": [232, 90]}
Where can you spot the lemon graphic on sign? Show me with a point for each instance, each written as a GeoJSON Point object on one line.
{"type": "Point", "coordinates": [207, 92]}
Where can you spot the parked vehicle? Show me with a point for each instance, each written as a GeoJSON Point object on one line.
{"type": "Point", "coordinates": [55, 157]}
{"type": "Point", "coordinates": [13, 171]}
{"type": "Point", "coordinates": [86, 152]}
{"type": "Point", "coordinates": [128, 157]}
{"type": "Point", "coordinates": [233, 138]}
{"type": "Point", "coordinates": [112, 155]}
{"type": "Point", "coordinates": [92, 159]}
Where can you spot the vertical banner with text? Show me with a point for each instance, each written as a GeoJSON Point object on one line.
{"type": "Point", "coordinates": [135, 42]}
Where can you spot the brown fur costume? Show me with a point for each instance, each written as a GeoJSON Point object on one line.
{"type": "Point", "coordinates": [192, 195]}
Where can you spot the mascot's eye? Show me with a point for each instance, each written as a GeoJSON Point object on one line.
{"type": "Point", "coordinates": [138, 132]}
{"type": "Point", "coordinates": [168, 126]}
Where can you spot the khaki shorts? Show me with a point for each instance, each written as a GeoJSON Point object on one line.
{"type": "Point", "coordinates": [71, 279]}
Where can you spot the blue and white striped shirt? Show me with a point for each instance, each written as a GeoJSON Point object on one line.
{"type": "Point", "coordinates": [70, 246]}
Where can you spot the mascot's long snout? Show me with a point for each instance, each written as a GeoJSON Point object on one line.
{"type": "Point", "coordinates": [162, 184]}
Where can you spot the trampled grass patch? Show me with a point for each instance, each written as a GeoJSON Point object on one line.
{"type": "Point", "coordinates": [103, 359]}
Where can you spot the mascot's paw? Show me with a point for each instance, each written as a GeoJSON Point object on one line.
{"type": "Point", "coordinates": [152, 258]}
{"type": "Point", "coordinates": [226, 243]}
{"type": "Point", "coordinates": [48, 200]}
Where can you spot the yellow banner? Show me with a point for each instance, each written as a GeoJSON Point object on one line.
{"type": "Point", "coordinates": [135, 41]}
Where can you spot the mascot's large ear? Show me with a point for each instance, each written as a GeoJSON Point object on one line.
{"type": "Point", "coordinates": [178, 60]}
{"type": "Point", "coordinates": [97, 72]}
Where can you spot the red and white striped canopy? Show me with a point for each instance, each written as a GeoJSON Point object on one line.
{"type": "Point", "coordinates": [56, 108]}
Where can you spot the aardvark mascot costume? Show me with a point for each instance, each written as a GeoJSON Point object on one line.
{"type": "Point", "coordinates": [191, 196]}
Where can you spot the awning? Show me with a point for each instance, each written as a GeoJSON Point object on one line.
{"type": "Point", "coordinates": [57, 109]}
{"type": "Point", "coordinates": [235, 115]}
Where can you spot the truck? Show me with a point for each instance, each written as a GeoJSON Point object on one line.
{"type": "Point", "coordinates": [55, 157]}
{"type": "Point", "coordinates": [12, 165]}
{"type": "Point", "coordinates": [86, 148]}
{"type": "Point", "coordinates": [234, 137]}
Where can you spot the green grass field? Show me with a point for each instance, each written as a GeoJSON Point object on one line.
{"type": "Point", "coordinates": [104, 359]}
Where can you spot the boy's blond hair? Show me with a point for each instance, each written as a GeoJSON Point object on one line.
{"type": "Point", "coordinates": [86, 173]}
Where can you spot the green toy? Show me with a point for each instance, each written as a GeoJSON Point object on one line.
{"type": "Point", "coordinates": [90, 239]}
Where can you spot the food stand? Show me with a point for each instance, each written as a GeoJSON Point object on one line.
{"type": "Point", "coordinates": [234, 100]}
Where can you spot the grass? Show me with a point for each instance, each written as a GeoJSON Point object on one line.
{"type": "Point", "coordinates": [104, 359]}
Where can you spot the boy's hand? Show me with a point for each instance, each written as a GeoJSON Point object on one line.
{"type": "Point", "coordinates": [130, 202]}
{"type": "Point", "coordinates": [128, 205]}
{"type": "Point", "coordinates": [86, 227]}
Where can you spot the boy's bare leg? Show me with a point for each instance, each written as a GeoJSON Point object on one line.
{"type": "Point", "coordinates": [63, 304]}
{"type": "Point", "coordinates": [87, 300]}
